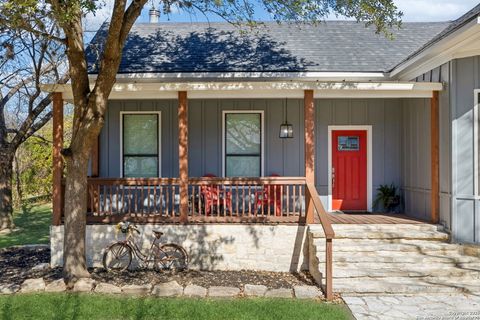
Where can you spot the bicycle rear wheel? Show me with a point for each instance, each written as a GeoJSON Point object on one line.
{"type": "Point", "coordinates": [171, 257]}
{"type": "Point", "coordinates": [117, 257]}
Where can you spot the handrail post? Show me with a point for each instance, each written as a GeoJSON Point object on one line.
{"type": "Point", "coordinates": [309, 207]}
{"type": "Point", "coordinates": [328, 269]}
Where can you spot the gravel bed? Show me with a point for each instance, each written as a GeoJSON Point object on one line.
{"type": "Point", "coordinates": [16, 264]}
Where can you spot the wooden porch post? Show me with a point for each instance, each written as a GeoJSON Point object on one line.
{"type": "Point", "coordinates": [309, 115]}
{"type": "Point", "coordinates": [183, 153]}
{"type": "Point", "coordinates": [435, 156]}
{"type": "Point", "coordinates": [57, 158]}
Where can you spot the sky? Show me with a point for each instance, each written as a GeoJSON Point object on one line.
{"type": "Point", "coordinates": [414, 10]}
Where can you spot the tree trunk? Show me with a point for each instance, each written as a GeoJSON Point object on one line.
{"type": "Point", "coordinates": [18, 182]}
{"type": "Point", "coordinates": [6, 208]}
{"type": "Point", "coordinates": [74, 263]}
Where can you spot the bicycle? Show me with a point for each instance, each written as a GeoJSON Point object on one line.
{"type": "Point", "coordinates": [118, 256]}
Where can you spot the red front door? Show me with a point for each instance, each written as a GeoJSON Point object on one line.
{"type": "Point", "coordinates": [349, 170]}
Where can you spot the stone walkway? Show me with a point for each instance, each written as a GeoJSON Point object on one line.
{"type": "Point", "coordinates": [419, 306]}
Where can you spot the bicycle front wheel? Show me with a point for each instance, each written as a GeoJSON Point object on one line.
{"type": "Point", "coordinates": [117, 257]}
{"type": "Point", "coordinates": [171, 257]}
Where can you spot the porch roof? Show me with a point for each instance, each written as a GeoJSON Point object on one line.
{"type": "Point", "coordinates": [262, 89]}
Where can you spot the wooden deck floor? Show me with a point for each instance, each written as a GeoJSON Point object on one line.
{"type": "Point", "coordinates": [372, 218]}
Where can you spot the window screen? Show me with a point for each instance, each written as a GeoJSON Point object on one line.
{"type": "Point", "coordinates": [140, 145]}
{"type": "Point", "coordinates": [243, 145]}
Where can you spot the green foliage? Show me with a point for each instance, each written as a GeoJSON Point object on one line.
{"type": "Point", "coordinates": [32, 225]}
{"type": "Point", "coordinates": [383, 14]}
{"type": "Point", "coordinates": [387, 198]}
{"type": "Point", "coordinates": [33, 165]}
{"type": "Point", "coordinates": [87, 306]}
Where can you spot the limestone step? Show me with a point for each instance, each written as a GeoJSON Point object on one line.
{"type": "Point", "coordinates": [376, 245]}
{"type": "Point", "coordinates": [381, 270]}
{"type": "Point", "coordinates": [377, 227]}
{"type": "Point", "coordinates": [387, 227]}
{"type": "Point", "coordinates": [393, 234]}
{"type": "Point", "coordinates": [432, 257]}
{"type": "Point", "coordinates": [405, 285]}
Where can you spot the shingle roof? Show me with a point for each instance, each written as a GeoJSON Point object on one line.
{"type": "Point", "coordinates": [452, 27]}
{"type": "Point", "coordinates": [220, 47]}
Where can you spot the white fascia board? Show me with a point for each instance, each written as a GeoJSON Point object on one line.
{"type": "Point", "coordinates": [248, 76]}
{"type": "Point", "coordinates": [461, 43]}
{"type": "Point", "coordinates": [291, 89]}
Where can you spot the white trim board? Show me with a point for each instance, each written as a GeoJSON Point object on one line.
{"type": "Point", "coordinates": [367, 128]}
{"type": "Point", "coordinates": [262, 137]}
{"type": "Point", "coordinates": [459, 44]}
{"type": "Point", "coordinates": [476, 142]}
{"type": "Point", "coordinates": [159, 113]}
{"type": "Point", "coordinates": [272, 89]}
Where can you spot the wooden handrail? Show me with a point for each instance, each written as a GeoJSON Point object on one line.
{"type": "Point", "coordinates": [248, 180]}
{"type": "Point", "coordinates": [322, 214]}
{"type": "Point", "coordinates": [134, 181]}
{"type": "Point", "coordinates": [329, 235]}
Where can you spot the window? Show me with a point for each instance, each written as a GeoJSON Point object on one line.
{"type": "Point", "coordinates": [243, 144]}
{"type": "Point", "coordinates": [140, 145]}
{"type": "Point", "coordinates": [348, 143]}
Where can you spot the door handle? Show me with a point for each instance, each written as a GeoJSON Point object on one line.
{"type": "Point", "coordinates": [333, 177]}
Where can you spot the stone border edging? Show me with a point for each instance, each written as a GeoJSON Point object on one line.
{"type": "Point", "coordinates": [166, 289]}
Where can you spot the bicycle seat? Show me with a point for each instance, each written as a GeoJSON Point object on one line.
{"type": "Point", "coordinates": [157, 233]}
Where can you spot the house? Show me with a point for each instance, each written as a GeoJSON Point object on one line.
{"type": "Point", "coordinates": [235, 142]}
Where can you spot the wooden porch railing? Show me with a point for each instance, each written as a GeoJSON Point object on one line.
{"type": "Point", "coordinates": [227, 200]}
{"type": "Point", "coordinates": [314, 200]}
{"type": "Point", "coordinates": [157, 200]}
{"type": "Point", "coordinates": [267, 199]}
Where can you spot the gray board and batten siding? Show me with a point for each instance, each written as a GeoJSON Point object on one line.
{"type": "Point", "coordinates": [459, 199]}
{"type": "Point", "coordinates": [398, 157]}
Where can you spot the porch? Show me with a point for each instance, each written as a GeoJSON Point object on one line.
{"type": "Point", "coordinates": [238, 212]}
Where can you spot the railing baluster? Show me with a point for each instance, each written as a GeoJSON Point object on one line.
{"type": "Point", "coordinates": [92, 200]}
{"type": "Point", "coordinates": [148, 197]}
{"type": "Point", "coordinates": [295, 199]}
{"type": "Point", "coordinates": [161, 200]}
{"type": "Point", "coordinates": [224, 188]}
{"type": "Point", "coordinates": [288, 200]}
{"type": "Point", "coordinates": [167, 200]}
{"type": "Point", "coordinates": [155, 199]}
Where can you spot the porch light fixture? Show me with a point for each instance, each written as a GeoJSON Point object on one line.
{"type": "Point", "coordinates": [286, 128]}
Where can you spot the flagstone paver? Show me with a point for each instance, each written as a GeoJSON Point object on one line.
{"type": "Point", "coordinates": [56, 286]}
{"type": "Point", "coordinates": [168, 289]}
{"type": "Point", "coordinates": [417, 306]}
{"type": "Point", "coordinates": [223, 292]}
{"type": "Point", "coordinates": [195, 291]}
{"type": "Point", "coordinates": [256, 290]}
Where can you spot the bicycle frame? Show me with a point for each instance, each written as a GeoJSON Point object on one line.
{"type": "Point", "coordinates": [145, 258]}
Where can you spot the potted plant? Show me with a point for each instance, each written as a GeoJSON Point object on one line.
{"type": "Point", "coordinates": [387, 198]}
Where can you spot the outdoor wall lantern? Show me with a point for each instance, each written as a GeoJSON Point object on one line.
{"type": "Point", "coordinates": [286, 128]}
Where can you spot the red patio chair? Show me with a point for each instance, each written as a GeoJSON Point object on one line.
{"type": "Point", "coordinates": [213, 197]}
{"type": "Point", "coordinates": [270, 196]}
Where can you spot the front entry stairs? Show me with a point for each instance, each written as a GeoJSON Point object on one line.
{"type": "Point", "coordinates": [394, 259]}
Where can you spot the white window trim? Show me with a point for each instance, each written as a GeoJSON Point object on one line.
{"type": "Point", "coordinates": [369, 162]}
{"type": "Point", "coordinates": [262, 138]}
{"type": "Point", "coordinates": [159, 113]}
{"type": "Point", "coordinates": [476, 142]}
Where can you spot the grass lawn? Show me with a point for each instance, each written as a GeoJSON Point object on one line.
{"type": "Point", "coordinates": [86, 306]}
{"type": "Point", "coordinates": [31, 226]}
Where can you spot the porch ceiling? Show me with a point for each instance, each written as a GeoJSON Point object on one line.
{"type": "Point", "coordinates": [269, 90]}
